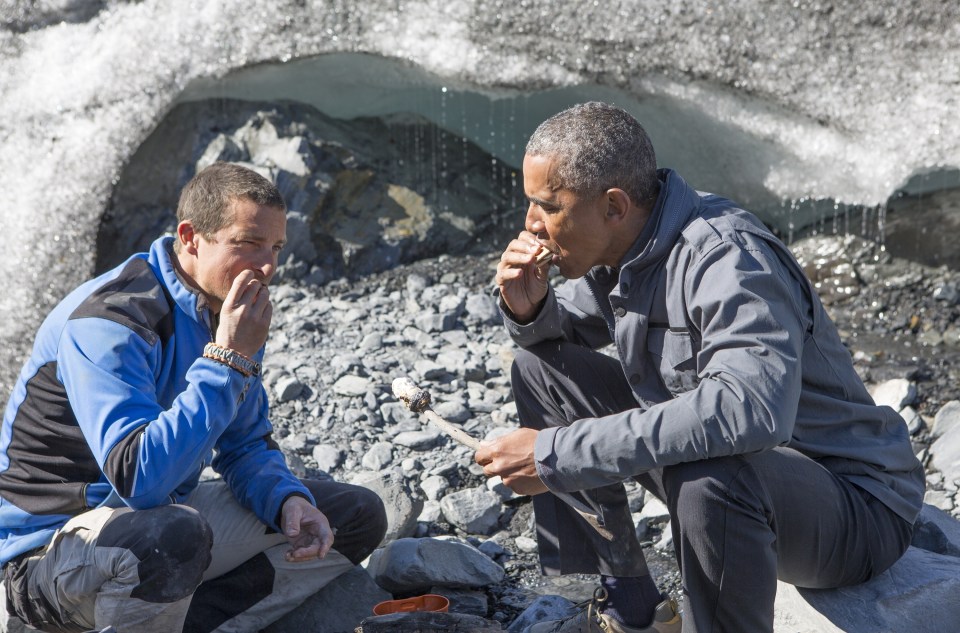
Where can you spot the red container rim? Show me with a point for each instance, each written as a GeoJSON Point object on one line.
{"type": "Point", "coordinates": [426, 602]}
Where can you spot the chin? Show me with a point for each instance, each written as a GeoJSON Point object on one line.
{"type": "Point", "coordinates": [566, 273]}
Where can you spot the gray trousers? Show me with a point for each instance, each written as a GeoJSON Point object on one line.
{"type": "Point", "coordinates": [739, 523]}
{"type": "Point", "coordinates": [205, 565]}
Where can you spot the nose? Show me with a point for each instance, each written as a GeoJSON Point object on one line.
{"type": "Point", "coordinates": [266, 264]}
{"type": "Point", "coordinates": [533, 222]}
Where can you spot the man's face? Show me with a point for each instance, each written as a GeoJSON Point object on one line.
{"type": "Point", "coordinates": [252, 241]}
{"type": "Point", "coordinates": [569, 224]}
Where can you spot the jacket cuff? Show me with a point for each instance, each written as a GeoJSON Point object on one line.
{"type": "Point", "coordinates": [545, 458]}
{"type": "Point", "coordinates": [542, 327]}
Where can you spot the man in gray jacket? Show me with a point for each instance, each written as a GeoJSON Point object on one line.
{"type": "Point", "coordinates": [730, 395]}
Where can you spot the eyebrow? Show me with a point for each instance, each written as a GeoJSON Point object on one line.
{"type": "Point", "coordinates": [259, 238]}
{"type": "Point", "coordinates": [542, 203]}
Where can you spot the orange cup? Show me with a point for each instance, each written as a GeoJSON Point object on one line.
{"type": "Point", "coordinates": [426, 602]}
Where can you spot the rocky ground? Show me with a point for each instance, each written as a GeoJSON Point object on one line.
{"type": "Point", "coordinates": [336, 348]}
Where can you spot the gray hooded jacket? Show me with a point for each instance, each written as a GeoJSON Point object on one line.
{"type": "Point", "coordinates": [728, 351]}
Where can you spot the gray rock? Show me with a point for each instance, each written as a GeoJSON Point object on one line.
{"type": "Point", "coordinates": [396, 412]}
{"type": "Point", "coordinates": [482, 307]}
{"type": "Point", "coordinates": [914, 420]}
{"type": "Point", "coordinates": [464, 600]}
{"type": "Point", "coordinates": [525, 544]}
{"type": "Point", "coordinates": [939, 499]}
{"type": "Point", "coordinates": [428, 622]}
{"type": "Point", "coordinates": [896, 393]}
{"type": "Point", "coordinates": [418, 440]}
{"type": "Point", "coordinates": [402, 507]}
{"type": "Point", "coordinates": [327, 457]}
{"type": "Point", "coordinates": [432, 322]}
{"type": "Point", "coordinates": [416, 284]}
{"type": "Point", "coordinates": [945, 454]}
{"type": "Point", "coordinates": [452, 359]}
{"type": "Point", "coordinates": [431, 512]}
{"type": "Point", "coordinates": [452, 411]}
{"type": "Point", "coordinates": [288, 388]}
{"type": "Point", "coordinates": [221, 148]}
{"type": "Point", "coordinates": [948, 293]}
{"type": "Point", "coordinates": [378, 456]}
{"type": "Point", "coordinates": [428, 369]}
{"type": "Point", "coordinates": [352, 386]}
{"type": "Point", "coordinates": [542, 609]}
{"type": "Point", "coordinates": [412, 565]}
{"type": "Point", "coordinates": [474, 510]}
{"type": "Point", "coordinates": [654, 510]}
{"type": "Point", "coordinates": [371, 342]}
{"type": "Point", "coordinates": [434, 486]}
{"type": "Point", "coordinates": [918, 594]}
{"type": "Point", "coordinates": [337, 608]}
{"type": "Point", "coordinates": [937, 531]}
{"type": "Point", "coordinates": [947, 418]}
{"type": "Point", "coordinates": [496, 486]}
{"type": "Point", "coordinates": [492, 548]}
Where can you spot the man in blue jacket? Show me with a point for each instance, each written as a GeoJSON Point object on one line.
{"type": "Point", "coordinates": [730, 395]}
{"type": "Point", "coordinates": [138, 380]}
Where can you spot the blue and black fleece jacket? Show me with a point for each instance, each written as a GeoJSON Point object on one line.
{"type": "Point", "coordinates": [117, 405]}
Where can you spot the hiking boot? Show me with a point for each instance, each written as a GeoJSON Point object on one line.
{"type": "Point", "coordinates": [666, 619]}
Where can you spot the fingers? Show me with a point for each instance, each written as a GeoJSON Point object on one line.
{"type": "Point", "coordinates": [308, 531]}
{"type": "Point", "coordinates": [247, 290]}
{"type": "Point", "coordinates": [238, 288]}
{"type": "Point", "coordinates": [484, 454]}
{"type": "Point", "coordinates": [326, 541]}
{"type": "Point", "coordinates": [245, 315]}
{"type": "Point", "coordinates": [519, 254]}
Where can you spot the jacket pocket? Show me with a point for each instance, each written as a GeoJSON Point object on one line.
{"type": "Point", "coordinates": [675, 355]}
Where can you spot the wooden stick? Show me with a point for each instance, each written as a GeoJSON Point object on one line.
{"type": "Point", "coordinates": [418, 401]}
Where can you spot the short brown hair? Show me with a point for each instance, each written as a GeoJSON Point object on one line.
{"type": "Point", "coordinates": [207, 197]}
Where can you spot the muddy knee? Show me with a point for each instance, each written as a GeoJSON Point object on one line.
{"type": "Point", "coordinates": [170, 548]}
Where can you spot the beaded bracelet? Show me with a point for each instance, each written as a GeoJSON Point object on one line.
{"type": "Point", "coordinates": [232, 358]}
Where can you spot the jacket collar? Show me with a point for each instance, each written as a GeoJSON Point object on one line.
{"type": "Point", "coordinates": [190, 300]}
{"type": "Point", "coordinates": [676, 205]}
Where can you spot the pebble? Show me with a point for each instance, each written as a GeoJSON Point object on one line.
{"type": "Point", "coordinates": [525, 544]}
{"type": "Point", "coordinates": [896, 393]}
{"type": "Point", "coordinates": [352, 386]}
{"type": "Point", "coordinates": [378, 456]}
{"type": "Point", "coordinates": [288, 388]}
{"type": "Point", "coordinates": [327, 457]}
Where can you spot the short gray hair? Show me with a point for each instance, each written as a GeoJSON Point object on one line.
{"type": "Point", "coordinates": [597, 146]}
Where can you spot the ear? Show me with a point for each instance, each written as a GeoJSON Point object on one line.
{"type": "Point", "coordinates": [187, 237]}
{"type": "Point", "coordinates": [618, 205]}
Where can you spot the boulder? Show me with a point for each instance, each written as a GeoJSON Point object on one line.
{"type": "Point", "coordinates": [919, 593]}
{"type": "Point", "coordinates": [411, 565]}
{"type": "Point", "coordinates": [337, 608]}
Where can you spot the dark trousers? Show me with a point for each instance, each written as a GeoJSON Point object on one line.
{"type": "Point", "coordinates": [739, 523]}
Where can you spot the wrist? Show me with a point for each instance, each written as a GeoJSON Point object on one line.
{"type": "Point", "coordinates": [522, 318]}
{"type": "Point", "coordinates": [232, 358]}
{"type": "Point", "coordinates": [283, 505]}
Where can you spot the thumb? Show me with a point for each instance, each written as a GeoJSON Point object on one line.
{"type": "Point", "coordinates": [291, 521]}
